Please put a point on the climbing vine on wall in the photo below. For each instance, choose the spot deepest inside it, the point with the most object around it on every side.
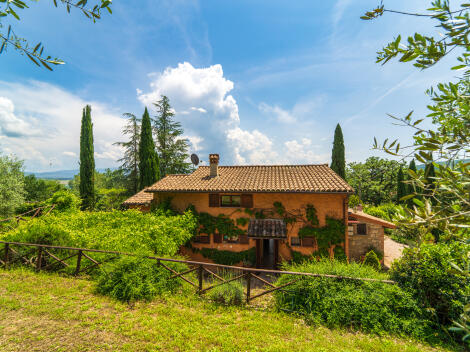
(221, 223)
(326, 236)
(332, 234)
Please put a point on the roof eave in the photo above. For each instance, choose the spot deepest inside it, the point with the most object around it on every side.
(244, 191)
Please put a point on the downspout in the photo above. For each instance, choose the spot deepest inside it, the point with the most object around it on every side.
(345, 219)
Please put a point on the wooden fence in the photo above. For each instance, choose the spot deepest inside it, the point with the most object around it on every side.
(40, 252)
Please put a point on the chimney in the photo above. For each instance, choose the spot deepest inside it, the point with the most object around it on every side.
(214, 165)
(359, 207)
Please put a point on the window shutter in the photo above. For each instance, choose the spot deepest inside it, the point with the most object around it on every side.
(214, 200)
(247, 201)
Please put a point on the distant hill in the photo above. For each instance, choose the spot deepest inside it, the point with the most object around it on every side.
(422, 166)
(59, 174)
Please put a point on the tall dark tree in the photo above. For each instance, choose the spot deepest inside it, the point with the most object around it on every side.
(148, 160)
(430, 175)
(338, 161)
(172, 149)
(87, 161)
(130, 160)
(401, 186)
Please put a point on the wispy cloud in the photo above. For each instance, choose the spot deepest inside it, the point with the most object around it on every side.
(57, 112)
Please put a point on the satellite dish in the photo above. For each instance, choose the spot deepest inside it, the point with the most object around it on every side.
(194, 159)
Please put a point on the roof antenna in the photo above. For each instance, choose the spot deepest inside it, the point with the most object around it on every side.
(195, 159)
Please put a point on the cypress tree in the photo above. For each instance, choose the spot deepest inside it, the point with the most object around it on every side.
(430, 174)
(411, 187)
(401, 187)
(338, 161)
(87, 161)
(148, 161)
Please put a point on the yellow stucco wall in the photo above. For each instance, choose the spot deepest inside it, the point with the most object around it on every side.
(332, 205)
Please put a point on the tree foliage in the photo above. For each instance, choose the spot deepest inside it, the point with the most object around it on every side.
(130, 160)
(374, 180)
(172, 148)
(338, 161)
(87, 161)
(35, 53)
(38, 189)
(401, 186)
(149, 171)
(11, 185)
(441, 206)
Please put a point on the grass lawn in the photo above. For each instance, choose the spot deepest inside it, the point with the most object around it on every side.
(46, 312)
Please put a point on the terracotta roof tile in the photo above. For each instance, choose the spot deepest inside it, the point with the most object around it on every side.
(359, 215)
(141, 198)
(275, 178)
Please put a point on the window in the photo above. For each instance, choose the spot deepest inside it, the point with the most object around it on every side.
(361, 229)
(230, 201)
(202, 239)
(295, 241)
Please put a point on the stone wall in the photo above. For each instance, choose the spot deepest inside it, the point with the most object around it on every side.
(360, 244)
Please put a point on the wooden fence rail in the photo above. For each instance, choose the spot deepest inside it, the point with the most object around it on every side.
(247, 274)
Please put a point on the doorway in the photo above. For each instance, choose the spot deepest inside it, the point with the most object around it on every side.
(267, 253)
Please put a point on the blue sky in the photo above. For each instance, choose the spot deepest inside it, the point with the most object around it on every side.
(260, 82)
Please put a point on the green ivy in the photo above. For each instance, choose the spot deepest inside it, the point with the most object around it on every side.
(229, 257)
(222, 224)
(340, 254)
(243, 221)
(326, 236)
(311, 214)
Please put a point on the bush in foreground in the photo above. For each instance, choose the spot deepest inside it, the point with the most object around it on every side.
(133, 278)
(428, 274)
(369, 306)
(230, 293)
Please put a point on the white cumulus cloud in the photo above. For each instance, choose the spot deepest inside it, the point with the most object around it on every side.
(209, 113)
(47, 118)
(12, 125)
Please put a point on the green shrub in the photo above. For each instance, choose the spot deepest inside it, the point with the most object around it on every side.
(124, 231)
(339, 254)
(386, 211)
(133, 278)
(64, 201)
(229, 257)
(299, 258)
(427, 273)
(230, 293)
(372, 260)
(109, 199)
(354, 201)
(369, 306)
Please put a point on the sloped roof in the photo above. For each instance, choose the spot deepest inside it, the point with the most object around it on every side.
(359, 215)
(273, 178)
(140, 198)
(267, 228)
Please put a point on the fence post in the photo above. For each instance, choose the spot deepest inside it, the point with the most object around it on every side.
(199, 274)
(7, 249)
(248, 287)
(79, 261)
(39, 261)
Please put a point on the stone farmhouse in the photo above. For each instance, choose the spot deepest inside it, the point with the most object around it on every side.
(278, 210)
